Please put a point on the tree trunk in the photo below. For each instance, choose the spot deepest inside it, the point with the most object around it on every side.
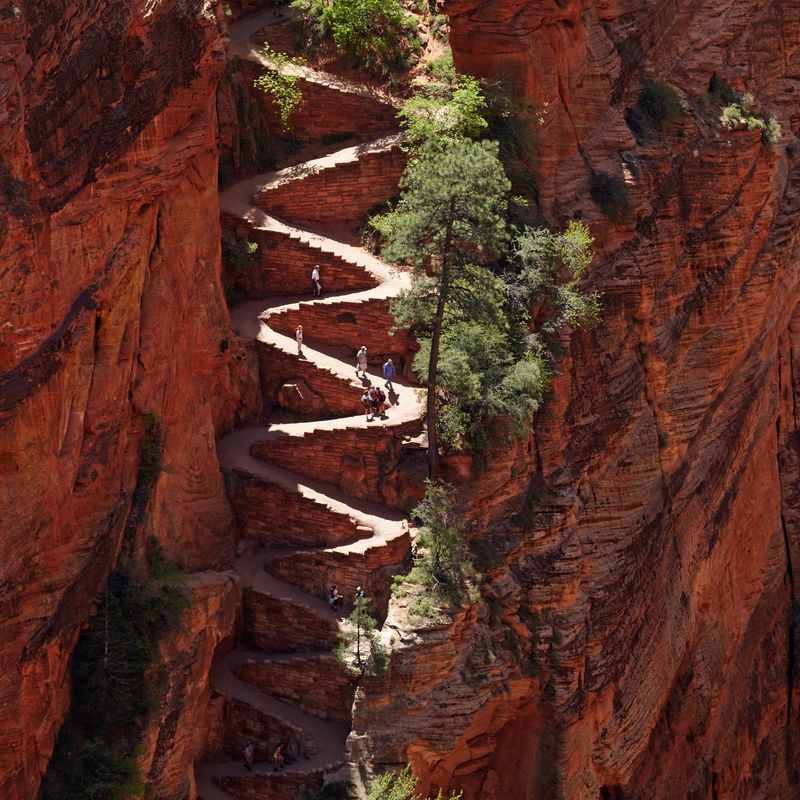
(433, 363)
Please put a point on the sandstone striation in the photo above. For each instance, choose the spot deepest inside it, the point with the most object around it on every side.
(111, 308)
(639, 586)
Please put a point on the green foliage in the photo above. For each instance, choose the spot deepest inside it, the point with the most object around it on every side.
(462, 189)
(440, 27)
(281, 84)
(238, 258)
(551, 266)
(375, 35)
(513, 125)
(611, 194)
(400, 786)
(739, 112)
(114, 682)
(440, 113)
(443, 561)
(360, 649)
(657, 107)
(340, 790)
(441, 68)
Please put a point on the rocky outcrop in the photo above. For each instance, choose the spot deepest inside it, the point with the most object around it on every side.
(112, 309)
(645, 563)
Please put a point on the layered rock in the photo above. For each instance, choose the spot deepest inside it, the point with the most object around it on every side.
(644, 563)
(112, 309)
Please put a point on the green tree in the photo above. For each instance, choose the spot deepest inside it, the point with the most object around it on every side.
(361, 639)
(280, 83)
(451, 215)
(444, 560)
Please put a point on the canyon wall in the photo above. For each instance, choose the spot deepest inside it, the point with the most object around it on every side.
(638, 633)
(112, 309)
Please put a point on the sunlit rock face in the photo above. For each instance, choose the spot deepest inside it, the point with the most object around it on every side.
(637, 639)
(110, 307)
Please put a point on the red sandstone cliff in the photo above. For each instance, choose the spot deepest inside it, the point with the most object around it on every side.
(111, 307)
(645, 558)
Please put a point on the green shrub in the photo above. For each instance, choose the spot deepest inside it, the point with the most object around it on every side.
(439, 27)
(375, 35)
(657, 106)
(280, 84)
(739, 112)
(400, 786)
(611, 194)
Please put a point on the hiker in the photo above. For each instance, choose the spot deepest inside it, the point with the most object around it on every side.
(366, 401)
(388, 373)
(359, 593)
(378, 399)
(298, 335)
(361, 361)
(334, 597)
(316, 286)
(248, 752)
(278, 759)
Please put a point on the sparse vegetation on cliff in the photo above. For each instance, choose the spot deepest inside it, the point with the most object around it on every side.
(739, 111)
(280, 84)
(115, 673)
(611, 194)
(443, 574)
(657, 107)
(375, 35)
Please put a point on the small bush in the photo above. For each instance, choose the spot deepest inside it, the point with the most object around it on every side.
(611, 194)
(359, 650)
(657, 106)
(400, 786)
(280, 84)
(739, 112)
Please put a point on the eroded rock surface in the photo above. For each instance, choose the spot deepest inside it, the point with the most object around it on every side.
(111, 308)
(644, 563)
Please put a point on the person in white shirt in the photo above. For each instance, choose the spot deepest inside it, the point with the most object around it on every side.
(316, 286)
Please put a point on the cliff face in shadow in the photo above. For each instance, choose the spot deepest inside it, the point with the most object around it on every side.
(112, 308)
(642, 542)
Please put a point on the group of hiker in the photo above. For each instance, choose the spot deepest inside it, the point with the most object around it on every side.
(334, 598)
(278, 757)
(374, 398)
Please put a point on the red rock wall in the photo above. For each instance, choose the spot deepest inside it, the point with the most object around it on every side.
(646, 571)
(111, 307)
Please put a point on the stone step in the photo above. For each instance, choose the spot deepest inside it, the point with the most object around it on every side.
(351, 321)
(283, 264)
(276, 516)
(356, 456)
(369, 564)
(344, 185)
(313, 682)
